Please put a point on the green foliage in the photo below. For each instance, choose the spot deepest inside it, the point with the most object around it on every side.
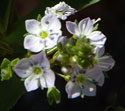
(5, 49)
(10, 92)
(76, 51)
(6, 72)
(53, 94)
(14, 62)
(96, 27)
(6, 68)
(111, 108)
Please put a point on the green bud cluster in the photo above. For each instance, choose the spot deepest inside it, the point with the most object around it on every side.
(77, 51)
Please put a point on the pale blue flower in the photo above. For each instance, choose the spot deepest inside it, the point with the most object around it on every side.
(105, 62)
(61, 10)
(86, 83)
(42, 35)
(36, 72)
(85, 29)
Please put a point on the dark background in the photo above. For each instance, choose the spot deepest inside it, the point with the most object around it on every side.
(113, 92)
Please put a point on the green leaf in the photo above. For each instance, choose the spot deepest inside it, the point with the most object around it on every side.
(5, 63)
(1, 27)
(7, 12)
(5, 48)
(111, 108)
(6, 72)
(39, 17)
(96, 27)
(10, 92)
(14, 62)
(53, 94)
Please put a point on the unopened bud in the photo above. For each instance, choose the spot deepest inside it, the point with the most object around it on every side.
(65, 70)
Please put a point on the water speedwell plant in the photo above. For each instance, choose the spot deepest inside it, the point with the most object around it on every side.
(80, 57)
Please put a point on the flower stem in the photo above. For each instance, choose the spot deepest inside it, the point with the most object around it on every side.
(51, 50)
(66, 77)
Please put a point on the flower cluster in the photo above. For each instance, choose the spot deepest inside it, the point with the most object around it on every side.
(81, 57)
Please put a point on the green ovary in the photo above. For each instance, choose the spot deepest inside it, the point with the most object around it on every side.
(80, 78)
(37, 70)
(44, 35)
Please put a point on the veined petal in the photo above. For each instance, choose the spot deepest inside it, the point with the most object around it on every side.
(49, 11)
(22, 68)
(31, 83)
(33, 26)
(51, 41)
(62, 40)
(72, 90)
(89, 89)
(47, 79)
(50, 22)
(72, 27)
(85, 26)
(41, 60)
(100, 51)
(96, 36)
(106, 63)
(96, 74)
(33, 43)
(99, 43)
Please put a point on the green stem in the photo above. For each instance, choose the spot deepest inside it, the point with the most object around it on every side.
(51, 50)
(66, 77)
(61, 75)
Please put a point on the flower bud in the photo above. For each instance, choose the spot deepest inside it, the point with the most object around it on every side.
(65, 70)
(75, 59)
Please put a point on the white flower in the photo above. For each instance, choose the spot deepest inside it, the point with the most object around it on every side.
(42, 35)
(105, 62)
(85, 29)
(61, 10)
(82, 82)
(36, 71)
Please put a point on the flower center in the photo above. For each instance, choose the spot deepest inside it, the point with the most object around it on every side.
(80, 78)
(44, 34)
(37, 70)
(58, 12)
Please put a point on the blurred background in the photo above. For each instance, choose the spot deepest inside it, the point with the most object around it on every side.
(112, 13)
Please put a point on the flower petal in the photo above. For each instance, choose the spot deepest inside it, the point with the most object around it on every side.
(33, 26)
(106, 63)
(72, 28)
(96, 36)
(99, 43)
(50, 22)
(22, 68)
(96, 74)
(51, 41)
(89, 89)
(85, 26)
(72, 90)
(62, 40)
(40, 59)
(47, 80)
(31, 83)
(100, 51)
(33, 43)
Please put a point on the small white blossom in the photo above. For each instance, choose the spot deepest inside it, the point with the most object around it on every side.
(61, 10)
(42, 35)
(85, 29)
(105, 62)
(36, 72)
(82, 82)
